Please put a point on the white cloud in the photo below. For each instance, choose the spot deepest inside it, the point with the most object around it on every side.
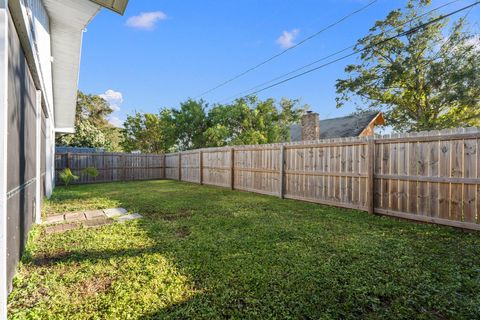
(287, 39)
(114, 99)
(146, 20)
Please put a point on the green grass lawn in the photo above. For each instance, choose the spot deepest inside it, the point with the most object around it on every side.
(212, 253)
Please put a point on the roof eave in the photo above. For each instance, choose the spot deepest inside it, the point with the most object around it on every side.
(378, 120)
(117, 6)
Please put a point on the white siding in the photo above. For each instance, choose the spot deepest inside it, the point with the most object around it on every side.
(38, 28)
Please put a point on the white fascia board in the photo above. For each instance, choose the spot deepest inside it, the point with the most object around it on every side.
(64, 130)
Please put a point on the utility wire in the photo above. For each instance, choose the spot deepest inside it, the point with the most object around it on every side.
(410, 31)
(286, 50)
(331, 55)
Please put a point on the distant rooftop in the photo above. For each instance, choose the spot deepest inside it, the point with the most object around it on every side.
(343, 127)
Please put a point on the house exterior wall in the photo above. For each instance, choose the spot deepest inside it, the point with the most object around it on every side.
(3, 155)
(21, 161)
(31, 31)
(37, 22)
(26, 134)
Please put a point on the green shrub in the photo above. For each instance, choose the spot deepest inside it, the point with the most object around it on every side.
(91, 172)
(67, 176)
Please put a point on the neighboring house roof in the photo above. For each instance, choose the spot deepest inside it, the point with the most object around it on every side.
(343, 127)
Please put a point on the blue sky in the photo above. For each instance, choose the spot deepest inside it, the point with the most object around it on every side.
(162, 52)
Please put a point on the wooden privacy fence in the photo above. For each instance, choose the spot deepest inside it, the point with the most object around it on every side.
(428, 176)
(111, 166)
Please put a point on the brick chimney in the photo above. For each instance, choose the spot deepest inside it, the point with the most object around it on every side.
(310, 126)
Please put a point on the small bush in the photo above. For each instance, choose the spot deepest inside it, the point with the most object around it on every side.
(67, 176)
(91, 172)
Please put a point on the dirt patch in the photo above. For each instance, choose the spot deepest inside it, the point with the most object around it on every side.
(48, 258)
(183, 232)
(184, 213)
(94, 285)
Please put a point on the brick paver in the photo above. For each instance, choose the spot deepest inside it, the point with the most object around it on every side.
(95, 214)
(60, 228)
(54, 219)
(97, 222)
(74, 216)
(89, 219)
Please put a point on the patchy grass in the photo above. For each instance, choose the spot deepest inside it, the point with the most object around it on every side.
(210, 253)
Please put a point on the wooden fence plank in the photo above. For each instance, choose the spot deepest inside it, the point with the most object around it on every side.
(456, 202)
(111, 166)
(470, 171)
(371, 177)
(282, 171)
(232, 168)
(429, 176)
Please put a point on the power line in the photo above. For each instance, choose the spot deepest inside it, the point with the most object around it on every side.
(286, 50)
(412, 30)
(332, 54)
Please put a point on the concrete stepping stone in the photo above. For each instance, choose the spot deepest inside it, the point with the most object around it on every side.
(129, 217)
(95, 214)
(75, 216)
(115, 212)
(54, 219)
(89, 219)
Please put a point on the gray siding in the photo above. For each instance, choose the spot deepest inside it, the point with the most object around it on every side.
(21, 151)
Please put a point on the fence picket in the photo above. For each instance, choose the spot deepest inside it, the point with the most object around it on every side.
(427, 176)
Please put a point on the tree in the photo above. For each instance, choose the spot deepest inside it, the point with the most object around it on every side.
(423, 80)
(150, 133)
(92, 108)
(252, 121)
(190, 121)
(246, 121)
(92, 128)
(86, 135)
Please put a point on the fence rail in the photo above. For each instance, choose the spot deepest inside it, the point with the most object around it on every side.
(428, 176)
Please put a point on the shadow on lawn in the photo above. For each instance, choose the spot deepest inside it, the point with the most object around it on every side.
(74, 257)
(260, 257)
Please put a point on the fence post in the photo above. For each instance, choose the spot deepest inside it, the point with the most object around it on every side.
(282, 171)
(232, 168)
(179, 166)
(200, 166)
(371, 176)
(164, 166)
